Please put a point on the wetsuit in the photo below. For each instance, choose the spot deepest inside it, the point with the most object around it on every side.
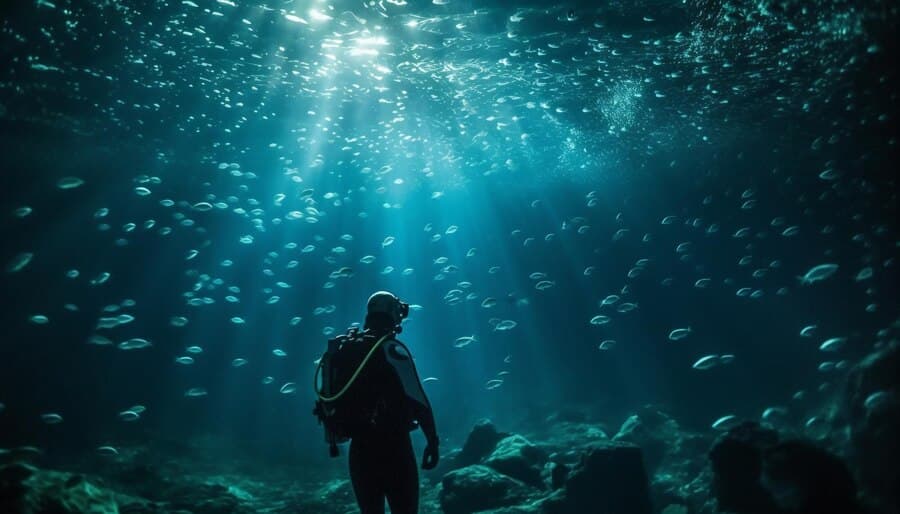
(382, 462)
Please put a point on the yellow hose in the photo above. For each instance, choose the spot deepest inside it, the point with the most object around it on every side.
(352, 378)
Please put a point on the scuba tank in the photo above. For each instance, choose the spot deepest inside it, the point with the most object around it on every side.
(338, 370)
(322, 410)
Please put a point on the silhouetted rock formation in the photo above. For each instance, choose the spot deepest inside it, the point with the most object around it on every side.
(872, 408)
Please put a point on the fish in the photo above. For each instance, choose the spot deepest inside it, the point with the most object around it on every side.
(69, 182)
(707, 362)
(726, 423)
(506, 324)
(544, 284)
(626, 307)
(195, 392)
(818, 273)
(19, 262)
(129, 415)
(774, 413)
(464, 341)
(493, 384)
(679, 333)
(600, 319)
(51, 418)
(832, 345)
(808, 331)
(877, 400)
(107, 451)
(99, 340)
(135, 343)
(864, 274)
(829, 174)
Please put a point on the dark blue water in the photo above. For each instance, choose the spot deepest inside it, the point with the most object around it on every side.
(554, 138)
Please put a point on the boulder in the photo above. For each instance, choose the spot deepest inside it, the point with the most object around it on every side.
(207, 499)
(737, 462)
(656, 433)
(568, 440)
(805, 479)
(610, 479)
(28, 490)
(559, 473)
(478, 488)
(755, 473)
(872, 409)
(516, 457)
(479, 444)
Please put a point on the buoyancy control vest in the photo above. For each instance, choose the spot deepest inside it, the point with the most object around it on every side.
(356, 390)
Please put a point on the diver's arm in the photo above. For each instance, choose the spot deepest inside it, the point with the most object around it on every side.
(400, 358)
(426, 421)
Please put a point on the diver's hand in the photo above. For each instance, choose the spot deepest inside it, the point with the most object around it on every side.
(430, 457)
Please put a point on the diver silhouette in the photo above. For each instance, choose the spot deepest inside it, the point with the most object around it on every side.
(371, 395)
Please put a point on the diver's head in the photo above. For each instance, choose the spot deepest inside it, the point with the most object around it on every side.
(384, 311)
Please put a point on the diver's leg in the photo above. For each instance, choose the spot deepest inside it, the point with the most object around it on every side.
(366, 477)
(402, 488)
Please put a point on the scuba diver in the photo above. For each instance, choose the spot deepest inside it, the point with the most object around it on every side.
(371, 395)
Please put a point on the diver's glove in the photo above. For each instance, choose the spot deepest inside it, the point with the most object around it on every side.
(430, 456)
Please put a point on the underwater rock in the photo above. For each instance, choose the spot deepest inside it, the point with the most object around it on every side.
(517, 457)
(28, 490)
(656, 433)
(872, 405)
(143, 480)
(207, 499)
(570, 439)
(559, 473)
(804, 478)
(610, 478)
(737, 463)
(479, 444)
(478, 488)
(684, 477)
(12, 488)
